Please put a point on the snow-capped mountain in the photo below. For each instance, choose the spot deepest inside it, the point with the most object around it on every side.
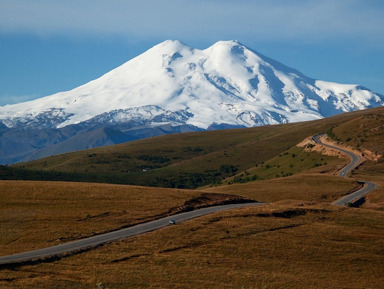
(174, 83)
(173, 88)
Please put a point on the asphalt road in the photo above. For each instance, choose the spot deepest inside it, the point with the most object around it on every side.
(345, 172)
(356, 195)
(92, 242)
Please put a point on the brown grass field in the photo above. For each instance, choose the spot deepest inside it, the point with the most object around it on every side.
(317, 188)
(67, 211)
(298, 240)
(283, 245)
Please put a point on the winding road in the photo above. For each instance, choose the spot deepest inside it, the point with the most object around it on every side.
(344, 172)
(95, 241)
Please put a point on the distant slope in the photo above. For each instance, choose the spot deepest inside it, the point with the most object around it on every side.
(195, 159)
(94, 138)
(18, 145)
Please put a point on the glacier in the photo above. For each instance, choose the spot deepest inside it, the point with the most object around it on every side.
(225, 85)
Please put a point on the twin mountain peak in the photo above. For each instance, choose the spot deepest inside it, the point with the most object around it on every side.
(175, 85)
(226, 83)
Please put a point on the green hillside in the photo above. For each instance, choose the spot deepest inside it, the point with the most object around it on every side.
(192, 160)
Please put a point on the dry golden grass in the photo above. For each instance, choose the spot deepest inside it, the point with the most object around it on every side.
(365, 132)
(67, 211)
(308, 187)
(279, 246)
(289, 244)
(39, 214)
(375, 199)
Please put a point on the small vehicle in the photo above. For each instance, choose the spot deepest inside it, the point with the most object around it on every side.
(172, 222)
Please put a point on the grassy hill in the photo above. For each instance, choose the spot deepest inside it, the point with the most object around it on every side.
(192, 160)
(298, 240)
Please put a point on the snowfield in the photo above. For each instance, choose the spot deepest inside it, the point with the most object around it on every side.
(173, 83)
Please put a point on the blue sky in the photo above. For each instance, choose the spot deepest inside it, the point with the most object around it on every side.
(47, 46)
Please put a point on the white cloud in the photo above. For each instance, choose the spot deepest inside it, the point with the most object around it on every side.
(299, 20)
(11, 99)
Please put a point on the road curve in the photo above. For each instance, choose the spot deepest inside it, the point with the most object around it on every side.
(356, 195)
(344, 172)
(92, 242)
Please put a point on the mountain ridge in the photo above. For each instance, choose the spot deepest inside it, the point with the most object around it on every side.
(225, 85)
